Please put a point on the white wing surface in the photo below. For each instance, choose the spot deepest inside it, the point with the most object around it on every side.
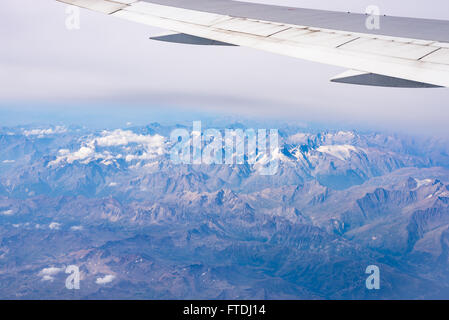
(404, 52)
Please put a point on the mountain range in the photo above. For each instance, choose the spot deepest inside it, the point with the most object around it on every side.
(139, 226)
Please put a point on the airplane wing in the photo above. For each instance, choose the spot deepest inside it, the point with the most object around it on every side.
(404, 52)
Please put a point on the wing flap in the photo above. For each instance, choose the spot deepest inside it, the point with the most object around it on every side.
(439, 56)
(254, 27)
(316, 37)
(389, 48)
(177, 14)
(102, 6)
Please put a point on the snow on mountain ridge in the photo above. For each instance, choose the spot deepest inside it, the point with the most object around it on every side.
(342, 152)
(423, 182)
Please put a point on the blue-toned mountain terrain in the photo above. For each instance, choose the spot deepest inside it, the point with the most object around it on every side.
(139, 226)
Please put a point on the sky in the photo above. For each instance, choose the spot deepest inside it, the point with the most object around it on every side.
(109, 68)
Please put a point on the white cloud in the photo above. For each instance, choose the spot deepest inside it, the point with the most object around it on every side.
(124, 137)
(76, 228)
(7, 212)
(48, 274)
(54, 226)
(43, 132)
(9, 161)
(51, 271)
(106, 279)
(149, 147)
(48, 278)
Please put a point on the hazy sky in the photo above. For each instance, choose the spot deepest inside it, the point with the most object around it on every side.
(110, 60)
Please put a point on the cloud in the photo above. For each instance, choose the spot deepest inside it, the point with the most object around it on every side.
(124, 137)
(76, 228)
(9, 161)
(47, 278)
(44, 132)
(148, 147)
(48, 274)
(106, 279)
(7, 212)
(55, 226)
